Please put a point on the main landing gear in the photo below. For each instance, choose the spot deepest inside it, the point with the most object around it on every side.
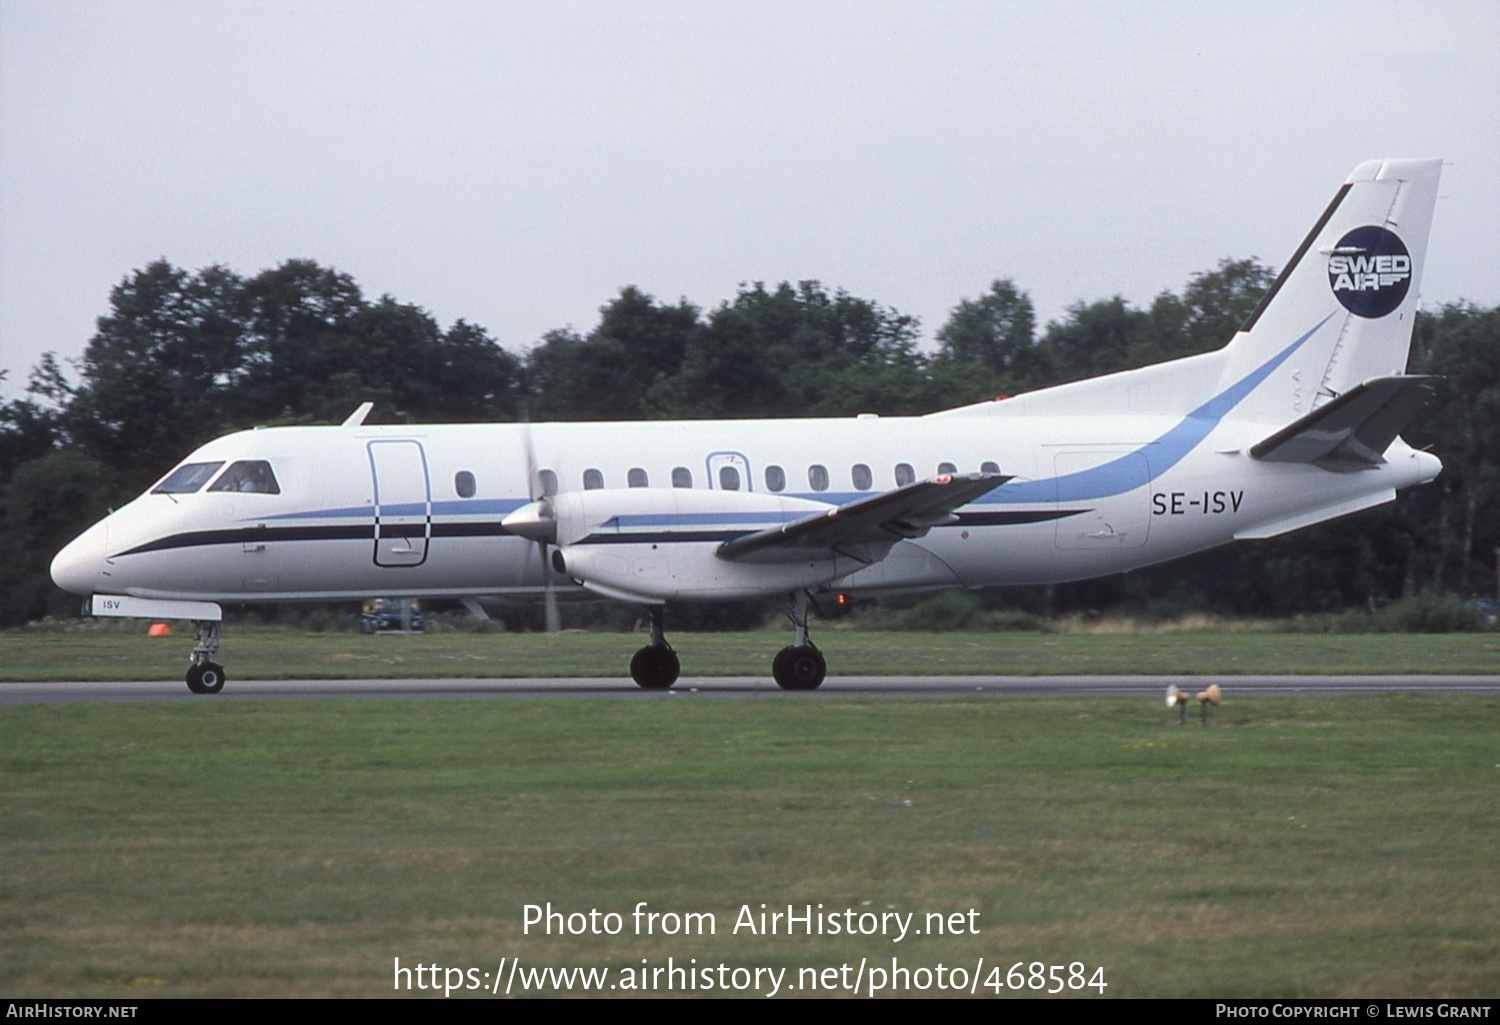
(205, 676)
(655, 667)
(801, 666)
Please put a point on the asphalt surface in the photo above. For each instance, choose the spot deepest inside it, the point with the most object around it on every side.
(742, 686)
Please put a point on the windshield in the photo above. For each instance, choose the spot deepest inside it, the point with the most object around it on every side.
(248, 475)
(186, 479)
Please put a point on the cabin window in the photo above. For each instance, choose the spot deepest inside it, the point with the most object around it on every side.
(989, 466)
(904, 474)
(775, 478)
(187, 478)
(817, 477)
(682, 477)
(548, 480)
(463, 483)
(729, 478)
(593, 480)
(863, 478)
(249, 476)
(636, 478)
(947, 468)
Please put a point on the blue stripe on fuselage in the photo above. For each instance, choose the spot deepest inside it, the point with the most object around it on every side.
(1122, 474)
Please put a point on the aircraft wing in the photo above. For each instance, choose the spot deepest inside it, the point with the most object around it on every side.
(1353, 431)
(883, 519)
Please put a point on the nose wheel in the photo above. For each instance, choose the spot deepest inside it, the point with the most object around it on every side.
(205, 676)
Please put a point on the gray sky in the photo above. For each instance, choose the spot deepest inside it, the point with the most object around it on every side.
(515, 164)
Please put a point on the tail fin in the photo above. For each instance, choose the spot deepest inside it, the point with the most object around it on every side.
(1341, 311)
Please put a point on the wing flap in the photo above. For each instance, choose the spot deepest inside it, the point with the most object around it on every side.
(1353, 431)
(907, 512)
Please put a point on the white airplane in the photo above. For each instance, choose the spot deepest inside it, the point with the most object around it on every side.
(1292, 423)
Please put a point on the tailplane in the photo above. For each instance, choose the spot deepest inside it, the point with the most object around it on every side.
(1353, 431)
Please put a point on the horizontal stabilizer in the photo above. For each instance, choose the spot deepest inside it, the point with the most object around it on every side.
(907, 512)
(1353, 431)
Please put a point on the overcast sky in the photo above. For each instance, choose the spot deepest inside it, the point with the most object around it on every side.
(515, 164)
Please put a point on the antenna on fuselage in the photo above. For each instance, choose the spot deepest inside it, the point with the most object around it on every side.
(357, 418)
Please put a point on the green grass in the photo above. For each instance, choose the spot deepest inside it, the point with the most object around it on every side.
(109, 653)
(1294, 847)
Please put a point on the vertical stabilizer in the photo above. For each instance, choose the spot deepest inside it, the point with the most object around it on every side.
(1341, 311)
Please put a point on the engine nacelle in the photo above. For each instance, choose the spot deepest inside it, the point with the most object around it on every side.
(657, 544)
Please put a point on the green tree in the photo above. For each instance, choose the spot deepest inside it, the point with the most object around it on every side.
(302, 356)
(158, 372)
(1210, 310)
(46, 503)
(623, 370)
(1461, 344)
(801, 351)
(30, 429)
(1096, 338)
(474, 379)
(400, 359)
(988, 345)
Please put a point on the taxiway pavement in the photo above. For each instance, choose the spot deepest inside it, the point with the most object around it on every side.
(741, 686)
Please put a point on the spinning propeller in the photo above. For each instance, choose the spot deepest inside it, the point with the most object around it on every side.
(537, 522)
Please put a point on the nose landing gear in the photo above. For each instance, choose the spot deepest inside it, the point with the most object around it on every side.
(205, 676)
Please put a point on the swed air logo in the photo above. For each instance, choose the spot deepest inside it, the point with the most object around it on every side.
(1370, 271)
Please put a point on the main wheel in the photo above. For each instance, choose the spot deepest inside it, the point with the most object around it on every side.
(205, 678)
(799, 668)
(655, 667)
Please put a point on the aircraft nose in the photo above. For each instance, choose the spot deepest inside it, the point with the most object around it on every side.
(77, 566)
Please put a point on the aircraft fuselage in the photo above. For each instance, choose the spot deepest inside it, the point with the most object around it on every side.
(341, 487)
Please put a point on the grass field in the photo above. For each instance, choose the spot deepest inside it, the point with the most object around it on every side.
(1294, 847)
(105, 652)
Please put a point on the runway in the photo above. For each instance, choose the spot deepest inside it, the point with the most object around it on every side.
(743, 687)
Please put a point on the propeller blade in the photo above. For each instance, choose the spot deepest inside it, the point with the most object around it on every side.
(528, 447)
(537, 522)
(553, 616)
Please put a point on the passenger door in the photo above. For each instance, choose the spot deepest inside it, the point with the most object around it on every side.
(403, 502)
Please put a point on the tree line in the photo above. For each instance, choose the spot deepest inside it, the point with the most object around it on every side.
(182, 357)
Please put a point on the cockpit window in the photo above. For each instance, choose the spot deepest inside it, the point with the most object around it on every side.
(252, 476)
(187, 478)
